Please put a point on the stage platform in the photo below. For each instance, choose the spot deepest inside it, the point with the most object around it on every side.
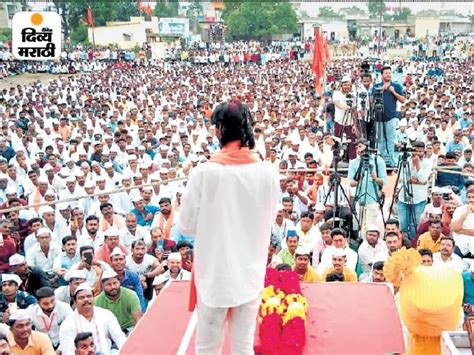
(343, 318)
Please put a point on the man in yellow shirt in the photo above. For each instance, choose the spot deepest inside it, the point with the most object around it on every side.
(25, 341)
(431, 240)
(338, 262)
(306, 272)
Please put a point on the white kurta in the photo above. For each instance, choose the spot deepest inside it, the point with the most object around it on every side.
(230, 210)
(104, 328)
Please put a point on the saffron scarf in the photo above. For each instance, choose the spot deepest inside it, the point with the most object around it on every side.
(231, 154)
(166, 227)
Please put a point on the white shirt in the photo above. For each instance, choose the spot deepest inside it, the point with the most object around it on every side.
(232, 229)
(326, 259)
(367, 253)
(103, 326)
(338, 113)
(49, 324)
(145, 266)
(36, 258)
(85, 239)
(464, 242)
(127, 238)
(91, 274)
(454, 262)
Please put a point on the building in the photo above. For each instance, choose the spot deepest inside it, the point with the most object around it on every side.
(426, 26)
(7, 10)
(126, 34)
(335, 29)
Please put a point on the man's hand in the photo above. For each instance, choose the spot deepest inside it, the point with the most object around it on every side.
(392, 89)
(149, 216)
(6, 316)
(373, 175)
(471, 208)
(467, 307)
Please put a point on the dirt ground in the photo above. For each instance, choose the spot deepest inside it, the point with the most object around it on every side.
(26, 79)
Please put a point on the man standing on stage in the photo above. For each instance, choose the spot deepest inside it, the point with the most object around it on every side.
(391, 93)
(343, 102)
(229, 206)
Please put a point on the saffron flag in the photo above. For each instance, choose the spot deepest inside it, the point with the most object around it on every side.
(139, 5)
(90, 18)
(327, 53)
(318, 61)
(147, 9)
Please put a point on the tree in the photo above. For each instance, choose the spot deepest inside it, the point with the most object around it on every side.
(401, 15)
(127, 9)
(166, 9)
(327, 12)
(80, 35)
(260, 19)
(62, 9)
(376, 7)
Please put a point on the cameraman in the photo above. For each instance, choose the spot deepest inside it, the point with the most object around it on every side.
(368, 196)
(391, 94)
(363, 106)
(410, 207)
(343, 116)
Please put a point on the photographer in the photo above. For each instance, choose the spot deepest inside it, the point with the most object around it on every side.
(411, 204)
(363, 106)
(368, 196)
(343, 116)
(391, 94)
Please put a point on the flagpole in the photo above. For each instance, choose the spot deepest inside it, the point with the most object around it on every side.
(90, 20)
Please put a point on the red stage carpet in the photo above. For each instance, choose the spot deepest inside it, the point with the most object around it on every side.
(343, 318)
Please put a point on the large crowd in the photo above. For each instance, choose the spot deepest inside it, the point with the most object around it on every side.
(83, 254)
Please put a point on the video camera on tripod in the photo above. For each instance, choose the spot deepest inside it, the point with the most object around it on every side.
(349, 99)
(363, 99)
(378, 100)
(405, 150)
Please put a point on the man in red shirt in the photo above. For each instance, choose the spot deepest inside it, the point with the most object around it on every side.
(7, 246)
(111, 241)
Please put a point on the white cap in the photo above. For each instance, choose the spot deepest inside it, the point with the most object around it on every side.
(16, 259)
(108, 165)
(174, 257)
(302, 251)
(108, 274)
(43, 231)
(111, 232)
(11, 278)
(319, 207)
(76, 274)
(436, 190)
(403, 122)
(89, 184)
(339, 252)
(164, 171)
(71, 178)
(132, 157)
(135, 196)
(373, 228)
(117, 251)
(43, 179)
(164, 148)
(45, 209)
(158, 280)
(62, 206)
(20, 314)
(345, 78)
(10, 190)
(83, 287)
(50, 192)
(471, 268)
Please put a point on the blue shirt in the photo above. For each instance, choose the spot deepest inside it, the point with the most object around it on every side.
(131, 280)
(373, 190)
(468, 287)
(389, 101)
(452, 147)
(23, 300)
(141, 217)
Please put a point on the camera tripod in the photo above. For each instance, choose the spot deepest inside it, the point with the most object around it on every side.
(335, 185)
(362, 190)
(404, 172)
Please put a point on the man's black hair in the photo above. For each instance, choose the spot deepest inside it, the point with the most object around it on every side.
(335, 276)
(44, 292)
(235, 122)
(81, 336)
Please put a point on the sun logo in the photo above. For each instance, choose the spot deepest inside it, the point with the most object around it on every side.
(36, 19)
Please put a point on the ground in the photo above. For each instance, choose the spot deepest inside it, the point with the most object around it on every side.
(26, 79)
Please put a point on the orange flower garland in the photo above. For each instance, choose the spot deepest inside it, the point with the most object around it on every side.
(282, 315)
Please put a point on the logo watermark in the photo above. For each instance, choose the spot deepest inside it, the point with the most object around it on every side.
(36, 35)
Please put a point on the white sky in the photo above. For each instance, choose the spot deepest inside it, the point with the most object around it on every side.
(466, 8)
